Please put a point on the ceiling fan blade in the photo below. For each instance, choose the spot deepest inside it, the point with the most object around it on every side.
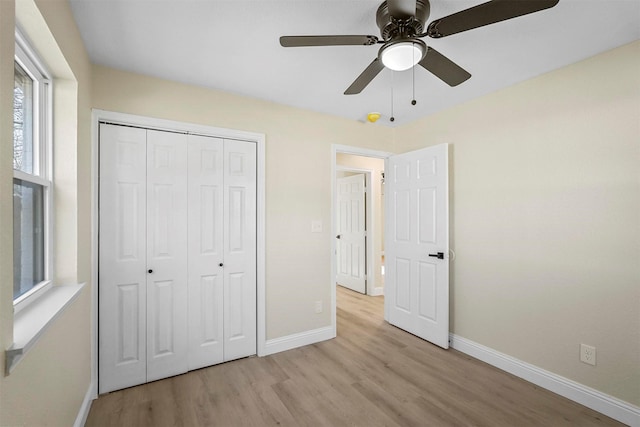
(297, 41)
(365, 78)
(401, 9)
(444, 68)
(485, 14)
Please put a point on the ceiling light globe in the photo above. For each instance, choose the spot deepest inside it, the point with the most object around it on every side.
(401, 56)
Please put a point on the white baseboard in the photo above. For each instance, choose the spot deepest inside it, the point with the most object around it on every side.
(83, 413)
(594, 399)
(377, 291)
(298, 340)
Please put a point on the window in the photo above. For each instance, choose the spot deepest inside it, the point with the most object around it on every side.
(32, 185)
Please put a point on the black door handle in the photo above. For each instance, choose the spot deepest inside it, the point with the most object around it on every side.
(439, 255)
(221, 265)
(150, 271)
(338, 236)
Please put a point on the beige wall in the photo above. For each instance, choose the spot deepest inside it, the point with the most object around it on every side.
(545, 208)
(377, 166)
(298, 180)
(49, 384)
(545, 203)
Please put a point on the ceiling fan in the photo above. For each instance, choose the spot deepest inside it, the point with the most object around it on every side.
(402, 23)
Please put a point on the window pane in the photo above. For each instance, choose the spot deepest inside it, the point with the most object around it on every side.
(28, 236)
(22, 121)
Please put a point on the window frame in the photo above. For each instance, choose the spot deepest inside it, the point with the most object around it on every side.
(42, 175)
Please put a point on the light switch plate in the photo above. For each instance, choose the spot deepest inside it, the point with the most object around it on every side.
(316, 226)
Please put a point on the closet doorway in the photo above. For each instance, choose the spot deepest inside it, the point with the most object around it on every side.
(178, 253)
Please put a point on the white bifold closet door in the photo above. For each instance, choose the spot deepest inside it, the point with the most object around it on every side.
(122, 269)
(177, 254)
(206, 251)
(166, 254)
(222, 250)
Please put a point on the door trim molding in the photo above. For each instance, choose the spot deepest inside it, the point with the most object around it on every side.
(97, 116)
(344, 149)
(580, 393)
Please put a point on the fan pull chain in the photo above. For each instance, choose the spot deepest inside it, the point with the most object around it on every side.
(392, 118)
(413, 101)
(413, 77)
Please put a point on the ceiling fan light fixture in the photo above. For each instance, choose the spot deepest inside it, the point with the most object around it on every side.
(402, 55)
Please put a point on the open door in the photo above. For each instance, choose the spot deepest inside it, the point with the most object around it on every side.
(351, 243)
(417, 243)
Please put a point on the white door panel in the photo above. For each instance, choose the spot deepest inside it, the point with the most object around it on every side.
(351, 243)
(417, 281)
(240, 249)
(122, 265)
(205, 255)
(166, 254)
(177, 268)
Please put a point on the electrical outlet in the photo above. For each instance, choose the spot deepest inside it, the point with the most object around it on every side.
(588, 354)
(318, 306)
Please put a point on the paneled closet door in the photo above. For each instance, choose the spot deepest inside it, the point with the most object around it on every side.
(206, 258)
(177, 279)
(122, 264)
(167, 287)
(240, 249)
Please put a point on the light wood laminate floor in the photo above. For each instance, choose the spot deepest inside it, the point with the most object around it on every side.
(372, 374)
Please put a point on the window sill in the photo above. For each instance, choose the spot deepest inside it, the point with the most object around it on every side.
(31, 322)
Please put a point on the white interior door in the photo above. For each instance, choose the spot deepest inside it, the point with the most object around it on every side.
(167, 291)
(206, 305)
(123, 253)
(417, 243)
(177, 272)
(351, 243)
(240, 249)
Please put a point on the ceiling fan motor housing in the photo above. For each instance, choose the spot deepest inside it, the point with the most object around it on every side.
(391, 28)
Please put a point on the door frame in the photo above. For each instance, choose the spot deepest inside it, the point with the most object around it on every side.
(98, 116)
(370, 282)
(356, 151)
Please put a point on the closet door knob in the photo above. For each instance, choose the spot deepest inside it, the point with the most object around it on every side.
(150, 271)
(221, 265)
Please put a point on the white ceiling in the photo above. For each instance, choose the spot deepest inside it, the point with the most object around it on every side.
(233, 46)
